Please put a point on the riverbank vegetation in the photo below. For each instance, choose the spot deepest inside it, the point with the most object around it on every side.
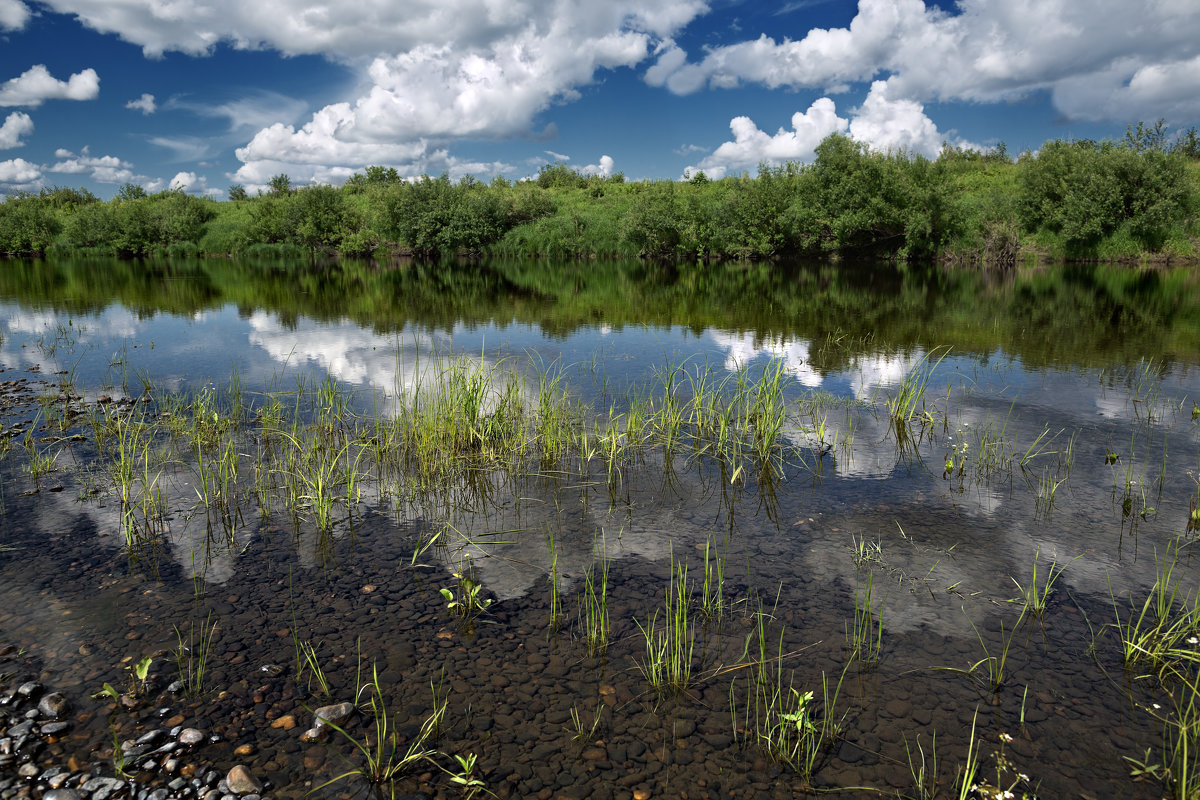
(1133, 199)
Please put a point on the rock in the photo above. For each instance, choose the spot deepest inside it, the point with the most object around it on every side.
(29, 770)
(242, 782)
(61, 794)
(151, 738)
(101, 788)
(286, 722)
(190, 736)
(31, 689)
(337, 714)
(55, 728)
(244, 750)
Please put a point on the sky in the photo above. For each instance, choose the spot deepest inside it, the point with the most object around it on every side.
(202, 94)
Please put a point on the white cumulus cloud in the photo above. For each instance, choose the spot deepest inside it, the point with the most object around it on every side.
(16, 125)
(17, 173)
(145, 104)
(1100, 59)
(13, 15)
(36, 85)
(489, 83)
(885, 125)
(751, 146)
(102, 169)
(604, 169)
(355, 30)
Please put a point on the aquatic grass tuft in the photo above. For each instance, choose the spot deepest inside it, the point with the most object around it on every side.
(192, 654)
(910, 397)
(794, 728)
(594, 608)
(1036, 593)
(670, 646)
(384, 758)
(864, 639)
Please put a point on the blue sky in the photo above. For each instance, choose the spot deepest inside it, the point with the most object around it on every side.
(201, 94)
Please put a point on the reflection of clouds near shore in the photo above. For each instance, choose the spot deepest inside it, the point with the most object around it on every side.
(348, 352)
(743, 348)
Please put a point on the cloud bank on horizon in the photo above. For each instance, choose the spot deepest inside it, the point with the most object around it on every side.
(468, 86)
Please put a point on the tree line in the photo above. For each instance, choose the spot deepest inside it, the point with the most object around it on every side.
(1078, 198)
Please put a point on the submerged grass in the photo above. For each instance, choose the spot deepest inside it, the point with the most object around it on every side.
(192, 654)
(795, 728)
(670, 645)
(385, 758)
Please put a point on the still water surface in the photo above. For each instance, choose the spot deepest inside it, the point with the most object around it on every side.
(1063, 398)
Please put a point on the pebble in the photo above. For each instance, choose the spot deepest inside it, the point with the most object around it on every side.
(240, 781)
(286, 722)
(62, 794)
(336, 713)
(244, 750)
(55, 705)
(190, 736)
(31, 689)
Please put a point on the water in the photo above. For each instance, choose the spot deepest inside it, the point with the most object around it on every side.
(1063, 398)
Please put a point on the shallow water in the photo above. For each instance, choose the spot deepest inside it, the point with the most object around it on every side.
(1065, 397)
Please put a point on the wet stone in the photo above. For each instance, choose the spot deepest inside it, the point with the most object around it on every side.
(101, 788)
(336, 713)
(31, 689)
(190, 736)
(29, 770)
(54, 728)
(152, 737)
(62, 794)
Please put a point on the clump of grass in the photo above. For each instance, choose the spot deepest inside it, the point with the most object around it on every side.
(712, 592)
(583, 731)
(384, 758)
(1164, 631)
(865, 639)
(309, 662)
(910, 397)
(192, 654)
(1036, 593)
(795, 728)
(989, 673)
(594, 608)
(671, 644)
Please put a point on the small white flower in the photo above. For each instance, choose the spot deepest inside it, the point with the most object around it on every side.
(1193, 640)
(1023, 776)
(1156, 706)
(1004, 737)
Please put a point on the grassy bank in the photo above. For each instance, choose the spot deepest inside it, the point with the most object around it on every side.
(1110, 201)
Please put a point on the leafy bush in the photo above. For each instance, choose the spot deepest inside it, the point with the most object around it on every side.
(1084, 191)
(140, 225)
(28, 224)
